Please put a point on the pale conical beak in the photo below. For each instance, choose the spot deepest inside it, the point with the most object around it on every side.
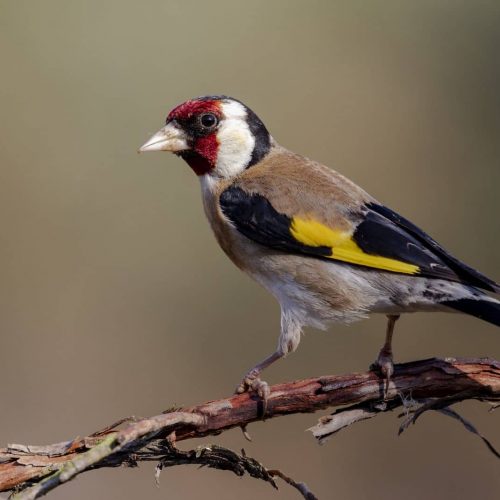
(169, 138)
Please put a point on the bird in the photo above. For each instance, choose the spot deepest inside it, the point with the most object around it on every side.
(327, 250)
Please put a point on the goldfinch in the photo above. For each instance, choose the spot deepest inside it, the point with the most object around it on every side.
(326, 249)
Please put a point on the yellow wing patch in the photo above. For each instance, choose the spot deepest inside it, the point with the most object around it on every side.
(344, 248)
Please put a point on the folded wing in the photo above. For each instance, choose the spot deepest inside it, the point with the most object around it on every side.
(378, 238)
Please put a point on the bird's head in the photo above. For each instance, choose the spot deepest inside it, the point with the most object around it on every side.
(216, 135)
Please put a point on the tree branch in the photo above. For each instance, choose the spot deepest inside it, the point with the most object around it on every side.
(31, 471)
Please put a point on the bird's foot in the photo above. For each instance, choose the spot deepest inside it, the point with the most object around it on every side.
(252, 383)
(385, 366)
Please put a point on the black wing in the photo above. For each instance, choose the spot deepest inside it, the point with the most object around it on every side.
(466, 274)
(379, 233)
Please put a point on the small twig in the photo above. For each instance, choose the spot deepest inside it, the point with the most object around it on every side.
(215, 457)
(452, 413)
(245, 432)
(301, 487)
(329, 425)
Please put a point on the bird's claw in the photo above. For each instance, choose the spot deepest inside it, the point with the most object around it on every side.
(385, 366)
(253, 383)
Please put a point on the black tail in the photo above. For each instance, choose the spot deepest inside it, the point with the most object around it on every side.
(483, 309)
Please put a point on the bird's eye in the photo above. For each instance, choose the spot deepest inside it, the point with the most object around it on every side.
(208, 120)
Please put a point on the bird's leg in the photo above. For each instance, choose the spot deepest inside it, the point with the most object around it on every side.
(288, 341)
(252, 382)
(384, 360)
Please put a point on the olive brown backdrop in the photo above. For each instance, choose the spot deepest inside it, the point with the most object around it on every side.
(114, 296)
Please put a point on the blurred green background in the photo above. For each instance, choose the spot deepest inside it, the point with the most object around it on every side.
(116, 300)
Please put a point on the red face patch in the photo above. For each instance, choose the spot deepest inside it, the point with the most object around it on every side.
(207, 148)
(204, 146)
(188, 109)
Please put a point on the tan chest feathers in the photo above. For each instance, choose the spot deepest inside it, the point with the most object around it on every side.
(227, 237)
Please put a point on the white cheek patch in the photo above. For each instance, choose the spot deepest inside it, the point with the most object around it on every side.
(236, 142)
